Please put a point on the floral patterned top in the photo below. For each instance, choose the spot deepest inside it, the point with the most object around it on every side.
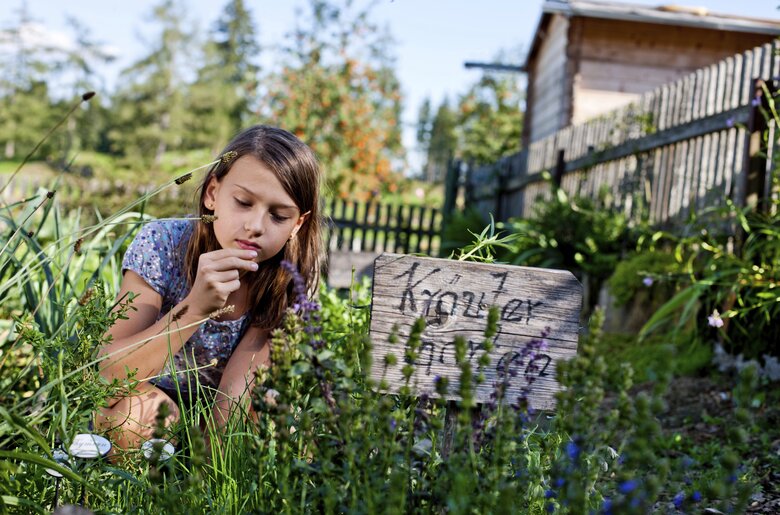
(157, 255)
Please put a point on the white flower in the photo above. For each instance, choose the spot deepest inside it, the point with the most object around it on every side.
(714, 319)
(270, 397)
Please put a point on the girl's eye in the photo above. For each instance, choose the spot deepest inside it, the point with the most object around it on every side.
(280, 218)
(242, 203)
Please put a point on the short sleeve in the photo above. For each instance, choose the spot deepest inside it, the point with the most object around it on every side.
(151, 255)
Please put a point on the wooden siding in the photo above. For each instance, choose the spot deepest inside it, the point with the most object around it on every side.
(549, 82)
(620, 61)
(601, 65)
(684, 147)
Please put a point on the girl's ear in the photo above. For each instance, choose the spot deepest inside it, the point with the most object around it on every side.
(210, 197)
(299, 224)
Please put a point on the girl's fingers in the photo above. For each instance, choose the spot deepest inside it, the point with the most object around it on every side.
(222, 276)
(227, 262)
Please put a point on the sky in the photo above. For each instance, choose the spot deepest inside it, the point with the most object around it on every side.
(433, 37)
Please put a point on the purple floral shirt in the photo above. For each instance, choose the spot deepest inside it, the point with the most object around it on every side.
(157, 255)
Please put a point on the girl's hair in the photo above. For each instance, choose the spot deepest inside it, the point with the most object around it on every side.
(296, 167)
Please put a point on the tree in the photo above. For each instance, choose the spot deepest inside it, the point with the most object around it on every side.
(490, 119)
(439, 139)
(25, 113)
(223, 95)
(485, 126)
(149, 104)
(338, 91)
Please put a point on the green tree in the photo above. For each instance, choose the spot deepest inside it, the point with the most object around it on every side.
(25, 105)
(490, 119)
(338, 91)
(438, 138)
(223, 95)
(150, 111)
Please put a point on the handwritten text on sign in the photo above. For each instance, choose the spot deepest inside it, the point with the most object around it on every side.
(454, 297)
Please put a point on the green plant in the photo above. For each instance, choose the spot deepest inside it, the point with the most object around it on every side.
(643, 277)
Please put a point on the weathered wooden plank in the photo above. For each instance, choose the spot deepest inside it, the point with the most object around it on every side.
(453, 298)
(747, 78)
(690, 130)
(720, 91)
(712, 90)
(365, 228)
(729, 161)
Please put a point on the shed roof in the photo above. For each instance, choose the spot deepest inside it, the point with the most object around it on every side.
(677, 15)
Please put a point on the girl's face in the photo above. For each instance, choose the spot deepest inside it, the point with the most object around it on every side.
(253, 210)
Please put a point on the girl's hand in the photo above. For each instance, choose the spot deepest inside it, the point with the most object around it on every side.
(217, 277)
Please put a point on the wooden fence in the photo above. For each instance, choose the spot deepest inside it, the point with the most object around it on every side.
(686, 146)
(359, 231)
(375, 227)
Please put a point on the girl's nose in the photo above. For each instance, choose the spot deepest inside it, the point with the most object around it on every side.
(254, 225)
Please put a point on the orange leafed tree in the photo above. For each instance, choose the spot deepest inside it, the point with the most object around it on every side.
(339, 93)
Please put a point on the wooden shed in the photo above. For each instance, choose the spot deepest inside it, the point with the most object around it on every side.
(590, 57)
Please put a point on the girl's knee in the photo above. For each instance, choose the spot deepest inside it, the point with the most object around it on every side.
(133, 419)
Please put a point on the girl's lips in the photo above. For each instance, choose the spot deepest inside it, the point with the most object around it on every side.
(247, 245)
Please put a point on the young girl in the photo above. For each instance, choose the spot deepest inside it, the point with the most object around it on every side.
(208, 292)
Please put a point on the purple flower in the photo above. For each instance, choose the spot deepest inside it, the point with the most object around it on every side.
(730, 122)
(714, 320)
(755, 102)
(647, 281)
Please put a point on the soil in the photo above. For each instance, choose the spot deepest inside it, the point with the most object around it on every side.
(701, 409)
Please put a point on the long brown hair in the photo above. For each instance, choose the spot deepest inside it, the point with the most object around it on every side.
(296, 167)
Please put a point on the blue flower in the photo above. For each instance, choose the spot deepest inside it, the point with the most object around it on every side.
(696, 496)
(678, 500)
(730, 122)
(549, 494)
(626, 487)
(550, 507)
(572, 450)
(755, 102)
(606, 506)
(559, 482)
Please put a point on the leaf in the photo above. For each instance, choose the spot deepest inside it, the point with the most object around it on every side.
(300, 368)
(324, 355)
(684, 299)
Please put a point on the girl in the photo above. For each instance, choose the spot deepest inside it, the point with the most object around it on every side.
(208, 292)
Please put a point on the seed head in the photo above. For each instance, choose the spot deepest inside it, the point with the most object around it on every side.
(208, 219)
(228, 157)
(184, 178)
(180, 313)
(87, 296)
(86, 96)
(77, 246)
(50, 194)
(227, 309)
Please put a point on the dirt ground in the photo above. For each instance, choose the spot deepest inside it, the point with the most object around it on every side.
(701, 410)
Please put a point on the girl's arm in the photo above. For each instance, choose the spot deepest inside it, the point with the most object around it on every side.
(239, 376)
(142, 343)
(125, 353)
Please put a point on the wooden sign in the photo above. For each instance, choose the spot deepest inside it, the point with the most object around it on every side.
(538, 324)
